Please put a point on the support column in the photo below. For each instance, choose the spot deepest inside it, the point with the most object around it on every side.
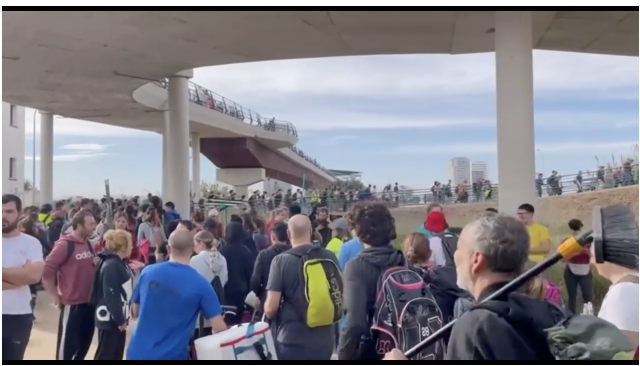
(195, 166)
(241, 191)
(46, 158)
(165, 158)
(178, 140)
(515, 124)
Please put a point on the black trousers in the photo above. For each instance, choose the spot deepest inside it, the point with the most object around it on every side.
(75, 331)
(572, 281)
(16, 331)
(111, 343)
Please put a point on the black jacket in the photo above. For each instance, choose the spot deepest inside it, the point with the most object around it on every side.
(442, 283)
(361, 276)
(239, 264)
(112, 291)
(510, 328)
(261, 269)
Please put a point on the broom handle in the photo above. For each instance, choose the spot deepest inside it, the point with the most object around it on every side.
(566, 251)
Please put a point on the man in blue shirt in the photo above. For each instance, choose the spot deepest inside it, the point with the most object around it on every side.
(348, 251)
(166, 302)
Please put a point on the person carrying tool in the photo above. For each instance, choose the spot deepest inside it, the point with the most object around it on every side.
(492, 251)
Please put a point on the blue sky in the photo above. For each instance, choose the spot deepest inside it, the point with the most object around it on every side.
(395, 118)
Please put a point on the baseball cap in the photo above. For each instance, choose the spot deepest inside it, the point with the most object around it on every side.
(340, 224)
(213, 213)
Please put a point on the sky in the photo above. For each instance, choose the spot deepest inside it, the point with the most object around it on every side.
(394, 118)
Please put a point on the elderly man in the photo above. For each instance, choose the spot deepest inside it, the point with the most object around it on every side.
(492, 251)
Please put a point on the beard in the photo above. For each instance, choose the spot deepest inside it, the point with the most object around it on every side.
(463, 281)
(8, 227)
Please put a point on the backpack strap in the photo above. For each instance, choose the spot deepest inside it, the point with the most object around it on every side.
(71, 248)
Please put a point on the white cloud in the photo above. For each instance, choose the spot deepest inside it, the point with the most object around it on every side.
(76, 127)
(340, 138)
(74, 157)
(419, 75)
(583, 147)
(85, 147)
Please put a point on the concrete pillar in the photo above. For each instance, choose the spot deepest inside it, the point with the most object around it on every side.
(241, 191)
(165, 158)
(515, 124)
(178, 143)
(241, 178)
(46, 158)
(195, 166)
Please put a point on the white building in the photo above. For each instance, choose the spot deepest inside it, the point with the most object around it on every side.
(479, 170)
(460, 171)
(13, 149)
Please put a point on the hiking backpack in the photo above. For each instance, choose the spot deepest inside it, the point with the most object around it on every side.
(449, 246)
(323, 286)
(406, 313)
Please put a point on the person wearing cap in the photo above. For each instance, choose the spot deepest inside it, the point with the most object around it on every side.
(340, 233)
(215, 216)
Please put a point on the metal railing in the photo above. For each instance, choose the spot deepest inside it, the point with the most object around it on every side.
(218, 103)
(591, 181)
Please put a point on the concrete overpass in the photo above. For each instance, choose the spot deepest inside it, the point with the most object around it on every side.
(246, 147)
(87, 65)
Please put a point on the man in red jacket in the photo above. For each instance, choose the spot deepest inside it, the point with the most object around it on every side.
(68, 277)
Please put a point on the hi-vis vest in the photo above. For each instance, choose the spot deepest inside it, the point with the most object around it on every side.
(315, 197)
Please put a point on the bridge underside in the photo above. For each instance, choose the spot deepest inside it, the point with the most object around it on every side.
(230, 153)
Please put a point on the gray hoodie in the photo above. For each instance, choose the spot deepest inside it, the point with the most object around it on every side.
(210, 265)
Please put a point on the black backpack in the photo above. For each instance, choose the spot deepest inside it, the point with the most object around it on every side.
(55, 229)
(449, 246)
(71, 248)
(405, 314)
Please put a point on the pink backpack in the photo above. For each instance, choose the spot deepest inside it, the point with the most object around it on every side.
(552, 293)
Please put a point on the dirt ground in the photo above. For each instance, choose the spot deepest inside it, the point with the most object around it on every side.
(42, 345)
(549, 211)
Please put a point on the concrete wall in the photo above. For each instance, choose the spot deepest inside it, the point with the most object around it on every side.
(13, 120)
(552, 211)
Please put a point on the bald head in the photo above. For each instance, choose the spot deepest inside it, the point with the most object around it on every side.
(299, 230)
(181, 243)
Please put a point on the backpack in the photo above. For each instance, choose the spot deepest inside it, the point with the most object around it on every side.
(405, 313)
(71, 248)
(262, 241)
(552, 293)
(55, 230)
(323, 286)
(449, 246)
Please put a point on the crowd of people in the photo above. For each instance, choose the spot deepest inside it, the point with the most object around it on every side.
(107, 263)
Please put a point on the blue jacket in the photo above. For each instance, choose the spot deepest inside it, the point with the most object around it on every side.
(348, 251)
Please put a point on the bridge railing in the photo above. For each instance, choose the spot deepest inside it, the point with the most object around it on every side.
(216, 102)
(488, 193)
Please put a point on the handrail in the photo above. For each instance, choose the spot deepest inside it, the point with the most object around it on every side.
(411, 197)
(216, 102)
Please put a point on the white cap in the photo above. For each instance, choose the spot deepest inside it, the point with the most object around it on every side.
(213, 213)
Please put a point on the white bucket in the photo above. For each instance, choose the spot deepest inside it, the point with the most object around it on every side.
(249, 341)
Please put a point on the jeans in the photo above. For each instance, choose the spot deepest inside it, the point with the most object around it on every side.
(572, 281)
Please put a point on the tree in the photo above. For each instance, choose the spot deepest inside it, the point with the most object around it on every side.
(208, 188)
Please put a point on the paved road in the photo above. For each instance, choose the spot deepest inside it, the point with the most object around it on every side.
(42, 345)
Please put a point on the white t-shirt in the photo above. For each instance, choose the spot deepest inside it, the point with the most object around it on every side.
(16, 252)
(437, 253)
(620, 306)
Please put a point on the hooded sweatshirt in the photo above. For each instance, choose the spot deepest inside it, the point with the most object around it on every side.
(73, 276)
(210, 265)
(112, 291)
(509, 328)
(360, 279)
(239, 263)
